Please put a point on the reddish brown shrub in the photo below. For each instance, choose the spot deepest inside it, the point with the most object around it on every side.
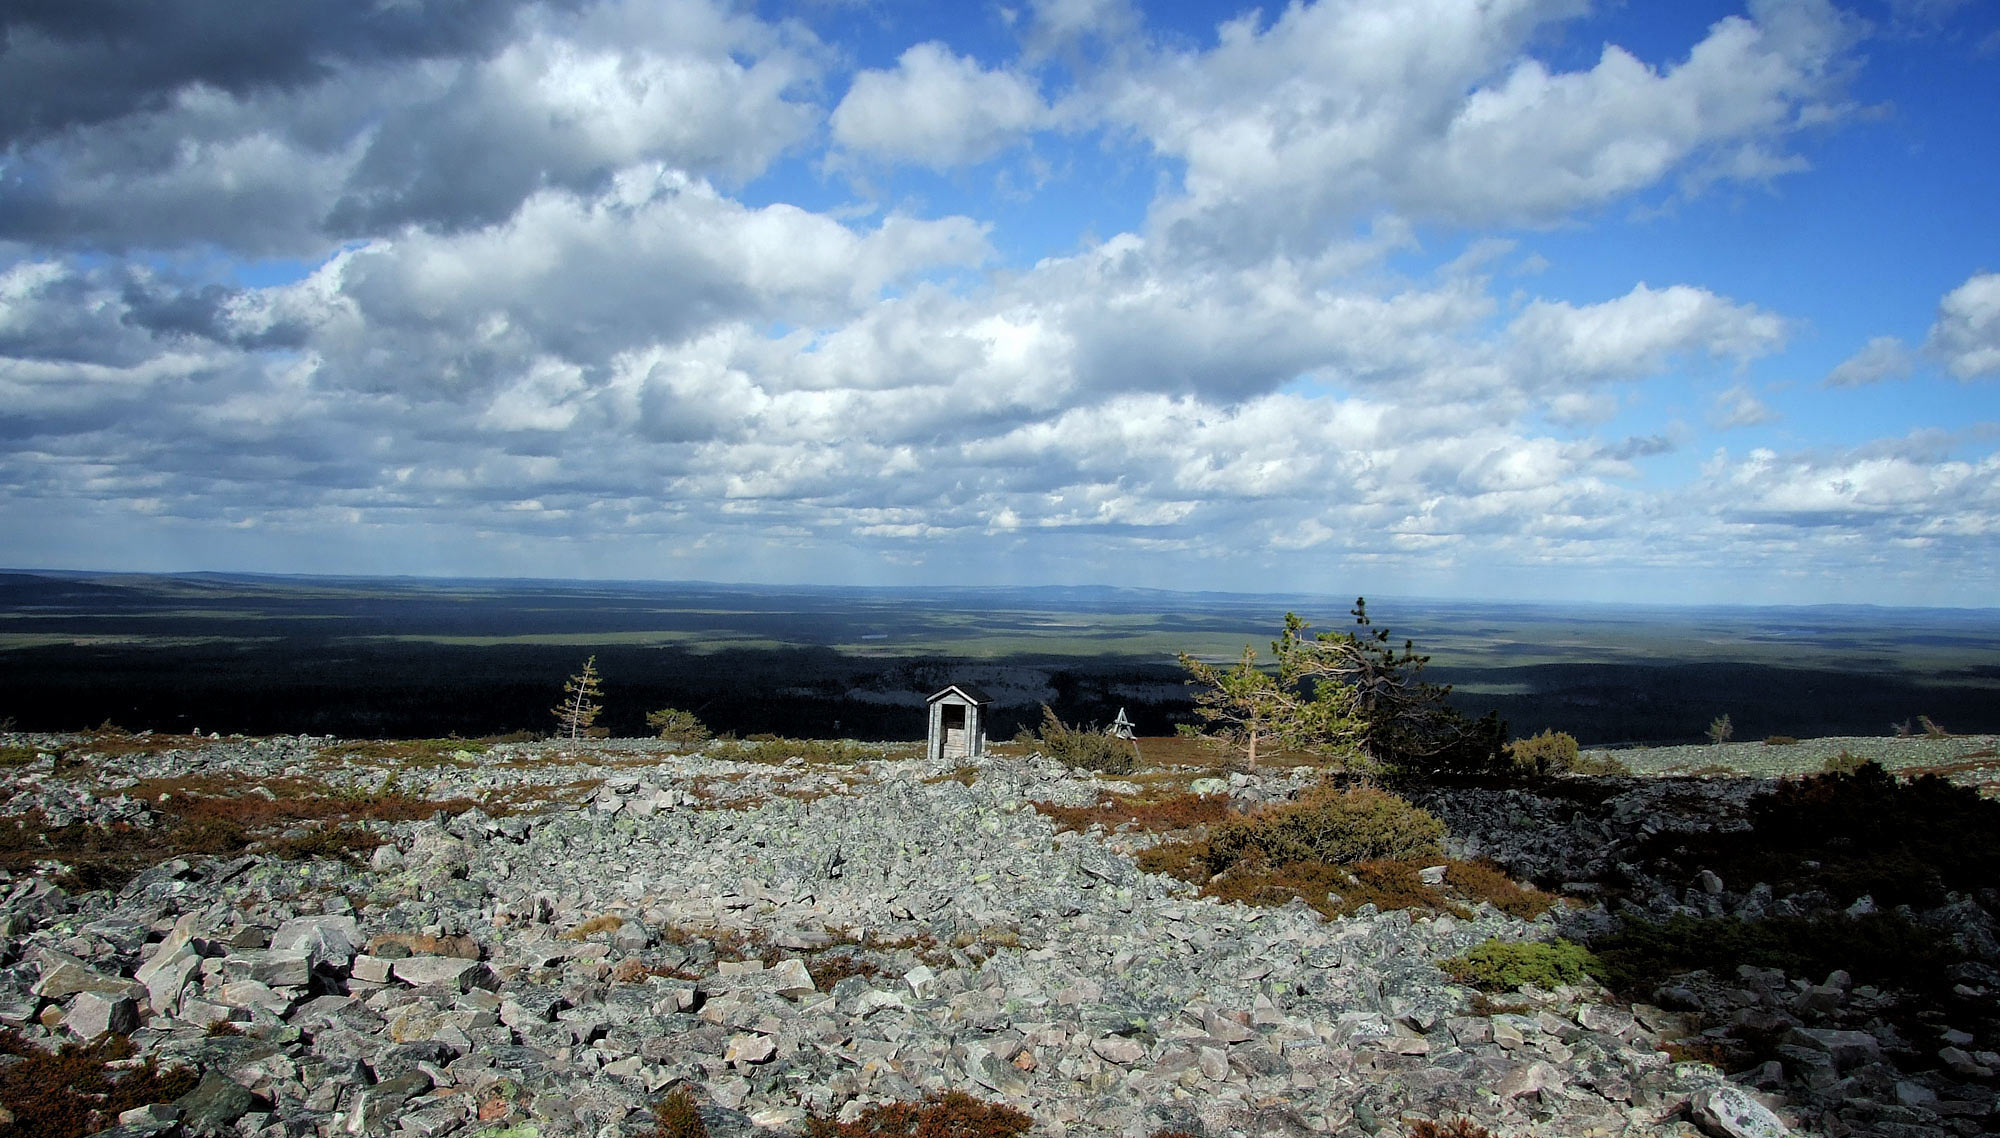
(1456, 1128)
(953, 1114)
(1483, 881)
(1179, 812)
(71, 1092)
(677, 1117)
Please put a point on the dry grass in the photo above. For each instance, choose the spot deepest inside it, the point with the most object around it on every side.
(413, 752)
(828, 970)
(1969, 763)
(810, 752)
(1211, 757)
(725, 943)
(1483, 1004)
(600, 924)
(116, 742)
(1719, 1053)
(576, 792)
(633, 970)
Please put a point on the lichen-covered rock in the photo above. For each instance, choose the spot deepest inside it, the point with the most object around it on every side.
(1730, 1112)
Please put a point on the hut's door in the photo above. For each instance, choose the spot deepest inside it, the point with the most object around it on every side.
(955, 743)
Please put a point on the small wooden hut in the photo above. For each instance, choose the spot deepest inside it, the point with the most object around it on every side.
(958, 723)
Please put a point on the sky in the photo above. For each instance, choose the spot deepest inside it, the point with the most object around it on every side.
(1497, 299)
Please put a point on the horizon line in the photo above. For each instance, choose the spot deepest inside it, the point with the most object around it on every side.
(1421, 598)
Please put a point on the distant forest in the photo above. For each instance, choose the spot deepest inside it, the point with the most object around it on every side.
(400, 659)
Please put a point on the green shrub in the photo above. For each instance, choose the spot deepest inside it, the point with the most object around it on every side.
(1499, 965)
(1084, 747)
(16, 756)
(1898, 841)
(1883, 949)
(1848, 835)
(1780, 741)
(1332, 826)
(677, 726)
(1842, 763)
(1599, 765)
(1550, 752)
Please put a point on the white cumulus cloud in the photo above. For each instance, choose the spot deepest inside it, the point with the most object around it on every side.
(1884, 357)
(937, 109)
(1966, 335)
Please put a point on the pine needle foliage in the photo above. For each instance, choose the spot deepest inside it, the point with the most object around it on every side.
(1351, 696)
(580, 704)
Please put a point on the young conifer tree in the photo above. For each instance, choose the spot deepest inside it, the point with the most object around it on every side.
(579, 706)
(1240, 705)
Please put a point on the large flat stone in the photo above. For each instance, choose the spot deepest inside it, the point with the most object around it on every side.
(1730, 1112)
(92, 1014)
(213, 1106)
(744, 1049)
(330, 940)
(453, 971)
(64, 975)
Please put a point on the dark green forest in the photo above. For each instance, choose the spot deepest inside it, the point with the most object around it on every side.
(398, 658)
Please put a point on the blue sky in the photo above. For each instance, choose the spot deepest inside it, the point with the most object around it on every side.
(1540, 299)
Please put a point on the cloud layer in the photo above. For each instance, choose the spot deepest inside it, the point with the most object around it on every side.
(553, 310)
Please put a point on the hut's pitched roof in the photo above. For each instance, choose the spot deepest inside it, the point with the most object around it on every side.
(965, 691)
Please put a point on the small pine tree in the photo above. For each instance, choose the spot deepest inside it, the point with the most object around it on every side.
(1720, 729)
(1241, 705)
(579, 706)
(677, 726)
(1352, 697)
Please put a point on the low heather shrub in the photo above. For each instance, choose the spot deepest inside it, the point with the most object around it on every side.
(1550, 752)
(1499, 965)
(1883, 949)
(1332, 826)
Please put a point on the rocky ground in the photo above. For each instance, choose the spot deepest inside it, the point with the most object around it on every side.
(581, 929)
